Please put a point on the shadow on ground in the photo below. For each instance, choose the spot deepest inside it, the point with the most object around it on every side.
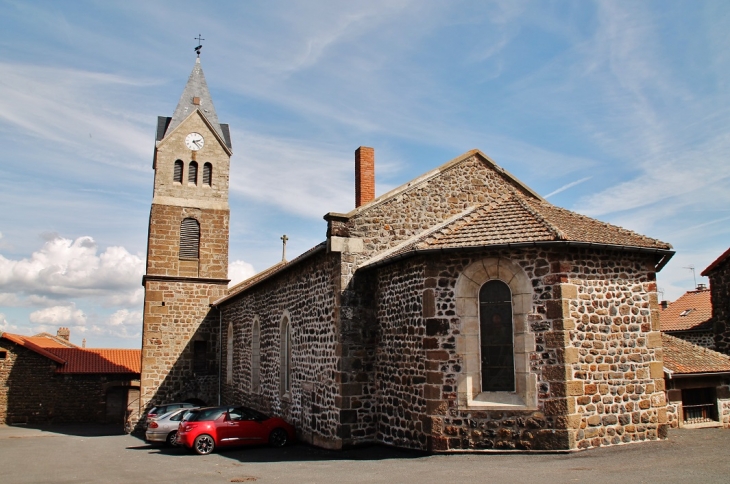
(79, 430)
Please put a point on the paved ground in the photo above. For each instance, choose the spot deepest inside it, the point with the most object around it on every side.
(83, 454)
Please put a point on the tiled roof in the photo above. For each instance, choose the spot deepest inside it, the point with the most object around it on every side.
(266, 273)
(692, 311)
(47, 340)
(94, 360)
(82, 360)
(716, 263)
(517, 220)
(683, 357)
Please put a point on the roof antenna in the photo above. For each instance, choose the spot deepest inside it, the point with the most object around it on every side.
(200, 40)
(692, 268)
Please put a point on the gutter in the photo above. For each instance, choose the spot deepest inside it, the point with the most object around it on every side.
(665, 253)
(670, 374)
(220, 352)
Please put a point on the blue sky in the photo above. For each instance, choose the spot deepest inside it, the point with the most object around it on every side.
(617, 110)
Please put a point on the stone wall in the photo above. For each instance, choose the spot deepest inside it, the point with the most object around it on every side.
(720, 294)
(32, 392)
(308, 294)
(706, 339)
(595, 361)
(177, 314)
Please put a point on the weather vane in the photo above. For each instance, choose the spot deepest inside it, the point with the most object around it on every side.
(200, 40)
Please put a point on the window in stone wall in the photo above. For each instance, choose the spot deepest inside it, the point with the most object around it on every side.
(3, 355)
(699, 405)
(255, 356)
(229, 355)
(207, 174)
(285, 376)
(178, 171)
(193, 173)
(200, 357)
(495, 334)
(189, 238)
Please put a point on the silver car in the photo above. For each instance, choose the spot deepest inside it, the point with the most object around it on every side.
(164, 427)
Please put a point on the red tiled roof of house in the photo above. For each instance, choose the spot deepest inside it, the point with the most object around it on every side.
(23, 341)
(46, 342)
(81, 360)
(683, 357)
(95, 360)
(62, 343)
(692, 311)
(716, 263)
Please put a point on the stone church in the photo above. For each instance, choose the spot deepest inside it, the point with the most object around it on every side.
(458, 312)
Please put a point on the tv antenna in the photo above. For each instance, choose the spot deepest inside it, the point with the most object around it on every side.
(200, 40)
(692, 268)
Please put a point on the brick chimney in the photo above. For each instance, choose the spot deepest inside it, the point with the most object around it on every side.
(64, 333)
(364, 175)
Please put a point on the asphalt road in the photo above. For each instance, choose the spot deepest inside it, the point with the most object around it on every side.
(93, 454)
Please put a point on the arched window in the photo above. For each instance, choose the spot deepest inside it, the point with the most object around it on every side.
(229, 355)
(495, 334)
(285, 376)
(178, 171)
(193, 173)
(207, 174)
(189, 238)
(255, 356)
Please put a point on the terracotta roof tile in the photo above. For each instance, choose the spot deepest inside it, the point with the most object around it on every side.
(683, 357)
(45, 342)
(692, 311)
(25, 343)
(95, 360)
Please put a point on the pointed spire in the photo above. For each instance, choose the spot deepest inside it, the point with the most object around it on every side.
(195, 96)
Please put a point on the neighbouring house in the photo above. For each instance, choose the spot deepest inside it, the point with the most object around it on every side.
(698, 384)
(47, 379)
(719, 275)
(690, 317)
(460, 311)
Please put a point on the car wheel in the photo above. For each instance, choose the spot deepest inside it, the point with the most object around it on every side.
(171, 438)
(204, 444)
(278, 438)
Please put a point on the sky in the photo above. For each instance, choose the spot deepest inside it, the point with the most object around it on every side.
(618, 110)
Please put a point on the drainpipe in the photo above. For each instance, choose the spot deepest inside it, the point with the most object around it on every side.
(220, 351)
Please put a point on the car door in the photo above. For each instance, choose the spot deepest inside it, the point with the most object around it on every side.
(228, 427)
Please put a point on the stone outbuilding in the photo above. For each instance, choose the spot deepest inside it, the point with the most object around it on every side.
(460, 311)
(47, 379)
(719, 274)
(698, 384)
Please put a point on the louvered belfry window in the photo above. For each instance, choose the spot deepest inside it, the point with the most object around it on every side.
(177, 174)
(207, 174)
(189, 238)
(193, 173)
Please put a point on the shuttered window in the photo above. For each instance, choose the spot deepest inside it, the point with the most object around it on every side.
(189, 238)
(207, 174)
(177, 174)
(193, 173)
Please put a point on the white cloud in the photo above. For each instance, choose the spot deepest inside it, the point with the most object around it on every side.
(6, 326)
(58, 316)
(239, 271)
(64, 269)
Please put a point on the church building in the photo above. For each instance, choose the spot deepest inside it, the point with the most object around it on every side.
(458, 312)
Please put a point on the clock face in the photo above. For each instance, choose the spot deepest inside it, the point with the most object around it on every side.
(194, 141)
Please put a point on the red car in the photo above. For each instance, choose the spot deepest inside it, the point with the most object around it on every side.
(207, 428)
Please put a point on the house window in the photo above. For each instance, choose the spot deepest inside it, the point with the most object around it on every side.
(229, 355)
(285, 376)
(3, 355)
(178, 171)
(495, 334)
(255, 356)
(207, 174)
(193, 173)
(189, 238)
(200, 357)
(699, 405)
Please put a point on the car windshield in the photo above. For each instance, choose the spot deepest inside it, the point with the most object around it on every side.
(205, 414)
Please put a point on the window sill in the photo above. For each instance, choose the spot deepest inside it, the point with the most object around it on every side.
(498, 401)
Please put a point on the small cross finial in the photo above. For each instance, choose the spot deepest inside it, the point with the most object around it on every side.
(200, 40)
(284, 238)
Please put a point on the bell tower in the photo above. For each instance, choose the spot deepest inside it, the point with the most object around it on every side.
(187, 251)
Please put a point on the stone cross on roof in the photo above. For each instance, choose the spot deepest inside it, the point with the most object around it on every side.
(284, 238)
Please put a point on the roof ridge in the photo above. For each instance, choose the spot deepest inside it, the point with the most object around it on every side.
(541, 218)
